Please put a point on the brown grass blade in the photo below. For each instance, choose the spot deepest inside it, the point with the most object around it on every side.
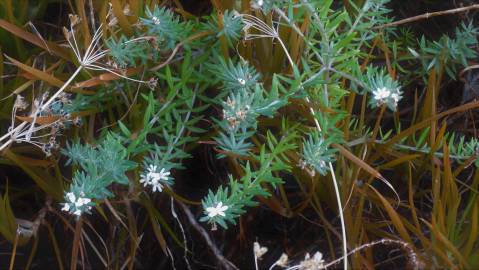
(366, 167)
(44, 76)
(394, 216)
(32, 38)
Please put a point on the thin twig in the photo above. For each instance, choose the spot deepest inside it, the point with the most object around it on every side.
(429, 15)
(413, 259)
(219, 256)
(178, 46)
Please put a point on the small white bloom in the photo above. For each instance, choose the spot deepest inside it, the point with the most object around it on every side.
(156, 185)
(71, 197)
(82, 201)
(152, 168)
(162, 175)
(242, 81)
(155, 20)
(76, 205)
(145, 179)
(395, 97)
(259, 3)
(219, 209)
(381, 94)
(154, 178)
(66, 207)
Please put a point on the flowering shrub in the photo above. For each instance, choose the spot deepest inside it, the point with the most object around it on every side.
(279, 92)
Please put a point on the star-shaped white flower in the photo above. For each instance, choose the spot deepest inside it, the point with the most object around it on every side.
(219, 209)
(381, 94)
(76, 205)
(154, 178)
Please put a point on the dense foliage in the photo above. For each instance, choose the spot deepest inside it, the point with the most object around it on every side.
(316, 110)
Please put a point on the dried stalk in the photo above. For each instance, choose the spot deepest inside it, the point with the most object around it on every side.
(429, 15)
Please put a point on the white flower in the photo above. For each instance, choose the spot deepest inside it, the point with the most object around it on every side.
(155, 20)
(242, 81)
(71, 197)
(66, 207)
(259, 2)
(395, 98)
(76, 205)
(154, 178)
(156, 185)
(162, 175)
(81, 202)
(218, 210)
(145, 179)
(381, 94)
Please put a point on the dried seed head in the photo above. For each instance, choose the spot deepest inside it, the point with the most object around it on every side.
(283, 260)
(258, 250)
(67, 33)
(64, 98)
(47, 149)
(230, 103)
(314, 263)
(152, 83)
(45, 95)
(241, 114)
(232, 121)
(20, 103)
(127, 11)
(74, 19)
(77, 121)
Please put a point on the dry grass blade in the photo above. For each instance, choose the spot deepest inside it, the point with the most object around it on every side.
(395, 217)
(41, 75)
(17, 31)
(367, 168)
